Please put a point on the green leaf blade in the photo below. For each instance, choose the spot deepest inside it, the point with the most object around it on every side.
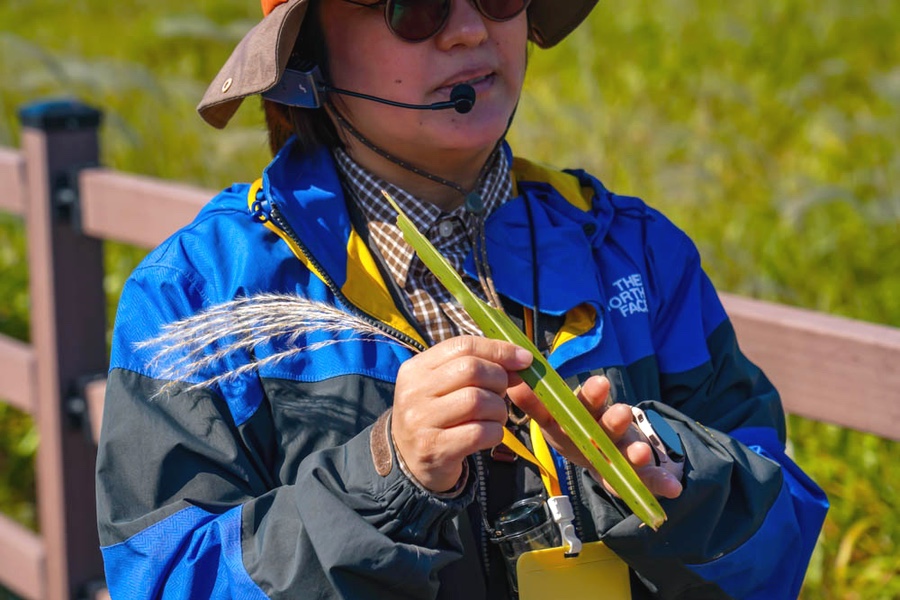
(548, 385)
(592, 441)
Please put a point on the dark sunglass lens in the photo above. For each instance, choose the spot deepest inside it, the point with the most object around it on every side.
(417, 20)
(501, 10)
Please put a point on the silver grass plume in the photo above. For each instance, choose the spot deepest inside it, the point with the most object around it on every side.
(244, 324)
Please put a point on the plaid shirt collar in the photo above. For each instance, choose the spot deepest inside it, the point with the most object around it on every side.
(495, 188)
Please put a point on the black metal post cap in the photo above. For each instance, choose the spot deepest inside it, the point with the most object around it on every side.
(59, 115)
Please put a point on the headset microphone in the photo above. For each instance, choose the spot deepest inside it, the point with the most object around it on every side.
(463, 97)
(303, 89)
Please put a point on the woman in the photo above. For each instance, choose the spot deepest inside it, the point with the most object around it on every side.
(363, 469)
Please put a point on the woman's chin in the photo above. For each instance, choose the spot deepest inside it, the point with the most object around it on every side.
(469, 132)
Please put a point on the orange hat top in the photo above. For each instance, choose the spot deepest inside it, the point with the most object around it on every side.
(269, 5)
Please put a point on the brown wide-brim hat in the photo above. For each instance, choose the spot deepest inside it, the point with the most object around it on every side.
(259, 60)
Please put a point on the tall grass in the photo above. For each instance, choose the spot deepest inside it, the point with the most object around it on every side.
(768, 131)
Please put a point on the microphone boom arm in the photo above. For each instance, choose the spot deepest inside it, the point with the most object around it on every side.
(304, 88)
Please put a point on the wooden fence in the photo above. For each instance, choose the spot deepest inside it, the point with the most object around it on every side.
(827, 368)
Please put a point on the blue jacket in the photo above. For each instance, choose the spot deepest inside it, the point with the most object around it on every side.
(264, 485)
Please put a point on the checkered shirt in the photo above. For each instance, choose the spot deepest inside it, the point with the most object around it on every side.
(452, 233)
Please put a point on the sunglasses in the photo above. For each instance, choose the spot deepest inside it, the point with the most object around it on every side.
(418, 20)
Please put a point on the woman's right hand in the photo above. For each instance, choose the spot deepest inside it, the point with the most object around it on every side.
(449, 403)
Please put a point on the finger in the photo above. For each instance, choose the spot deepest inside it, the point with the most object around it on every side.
(514, 378)
(505, 354)
(616, 421)
(639, 454)
(470, 404)
(594, 394)
(660, 482)
(443, 412)
(470, 437)
(418, 381)
(460, 362)
(525, 398)
(472, 371)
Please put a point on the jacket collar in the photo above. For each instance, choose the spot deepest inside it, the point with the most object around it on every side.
(561, 218)
(307, 192)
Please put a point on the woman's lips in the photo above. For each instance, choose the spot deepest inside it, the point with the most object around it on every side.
(479, 83)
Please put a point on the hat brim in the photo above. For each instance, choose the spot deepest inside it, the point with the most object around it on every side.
(552, 20)
(250, 69)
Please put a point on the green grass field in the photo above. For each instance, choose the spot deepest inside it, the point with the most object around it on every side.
(769, 132)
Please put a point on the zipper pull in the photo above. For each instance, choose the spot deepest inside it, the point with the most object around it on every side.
(256, 202)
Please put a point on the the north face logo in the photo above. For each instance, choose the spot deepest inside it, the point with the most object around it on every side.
(630, 297)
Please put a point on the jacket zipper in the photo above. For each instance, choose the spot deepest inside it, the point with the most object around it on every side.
(277, 218)
(481, 500)
(575, 493)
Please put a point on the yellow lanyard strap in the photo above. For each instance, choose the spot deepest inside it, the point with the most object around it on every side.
(543, 461)
(560, 506)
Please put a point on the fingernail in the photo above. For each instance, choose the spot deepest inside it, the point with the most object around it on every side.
(523, 357)
(674, 485)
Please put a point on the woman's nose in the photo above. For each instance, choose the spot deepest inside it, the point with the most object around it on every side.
(465, 26)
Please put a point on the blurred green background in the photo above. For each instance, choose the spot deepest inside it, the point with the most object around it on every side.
(768, 131)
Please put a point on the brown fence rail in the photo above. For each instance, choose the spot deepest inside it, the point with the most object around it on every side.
(827, 368)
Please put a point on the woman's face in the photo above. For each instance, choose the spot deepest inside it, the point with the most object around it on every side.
(364, 56)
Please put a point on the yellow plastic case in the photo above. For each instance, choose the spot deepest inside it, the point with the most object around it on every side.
(596, 573)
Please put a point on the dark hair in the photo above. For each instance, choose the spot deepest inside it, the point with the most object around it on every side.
(312, 126)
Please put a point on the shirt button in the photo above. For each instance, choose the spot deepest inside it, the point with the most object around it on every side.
(445, 229)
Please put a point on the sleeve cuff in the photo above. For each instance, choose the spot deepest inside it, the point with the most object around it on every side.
(384, 453)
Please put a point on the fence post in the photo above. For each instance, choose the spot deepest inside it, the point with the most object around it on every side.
(68, 333)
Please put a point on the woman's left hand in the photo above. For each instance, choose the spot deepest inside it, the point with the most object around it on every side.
(616, 421)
